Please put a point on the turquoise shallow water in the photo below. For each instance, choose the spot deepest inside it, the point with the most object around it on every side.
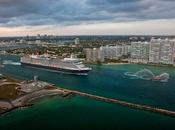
(84, 113)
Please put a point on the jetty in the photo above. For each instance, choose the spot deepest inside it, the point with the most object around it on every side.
(26, 91)
(128, 104)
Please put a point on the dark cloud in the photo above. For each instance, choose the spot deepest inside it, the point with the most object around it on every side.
(66, 12)
(110, 2)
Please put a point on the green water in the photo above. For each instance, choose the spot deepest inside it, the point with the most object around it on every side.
(84, 113)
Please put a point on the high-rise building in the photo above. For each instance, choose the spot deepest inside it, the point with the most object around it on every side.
(77, 41)
(140, 52)
(154, 52)
(162, 51)
(115, 52)
(94, 55)
(126, 49)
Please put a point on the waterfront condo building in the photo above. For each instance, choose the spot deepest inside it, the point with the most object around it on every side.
(162, 51)
(94, 55)
(115, 52)
(140, 52)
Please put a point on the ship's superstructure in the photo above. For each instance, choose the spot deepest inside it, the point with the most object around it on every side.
(66, 65)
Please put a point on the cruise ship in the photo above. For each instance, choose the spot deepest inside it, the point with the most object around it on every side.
(67, 65)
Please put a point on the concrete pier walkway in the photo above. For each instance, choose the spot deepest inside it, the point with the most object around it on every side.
(128, 104)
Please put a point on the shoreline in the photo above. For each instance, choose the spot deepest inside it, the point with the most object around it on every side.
(115, 63)
(130, 63)
(112, 63)
(15, 108)
(24, 101)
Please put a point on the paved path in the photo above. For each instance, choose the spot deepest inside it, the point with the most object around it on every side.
(38, 94)
(5, 105)
(8, 83)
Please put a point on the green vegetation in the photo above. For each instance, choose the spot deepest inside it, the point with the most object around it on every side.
(62, 51)
(9, 92)
(9, 88)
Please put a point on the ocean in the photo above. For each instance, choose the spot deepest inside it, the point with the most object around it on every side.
(84, 113)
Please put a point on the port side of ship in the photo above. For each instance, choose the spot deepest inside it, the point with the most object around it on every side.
(77, 69)
(55, 69)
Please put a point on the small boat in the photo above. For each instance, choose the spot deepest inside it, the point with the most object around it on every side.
(161, 78)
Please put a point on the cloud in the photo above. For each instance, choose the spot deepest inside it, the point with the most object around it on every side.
(150, 27)
(74, 12)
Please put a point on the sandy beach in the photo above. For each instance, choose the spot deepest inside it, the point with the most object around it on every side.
(116, 63)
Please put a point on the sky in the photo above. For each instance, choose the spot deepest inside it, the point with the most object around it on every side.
(87, 17)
